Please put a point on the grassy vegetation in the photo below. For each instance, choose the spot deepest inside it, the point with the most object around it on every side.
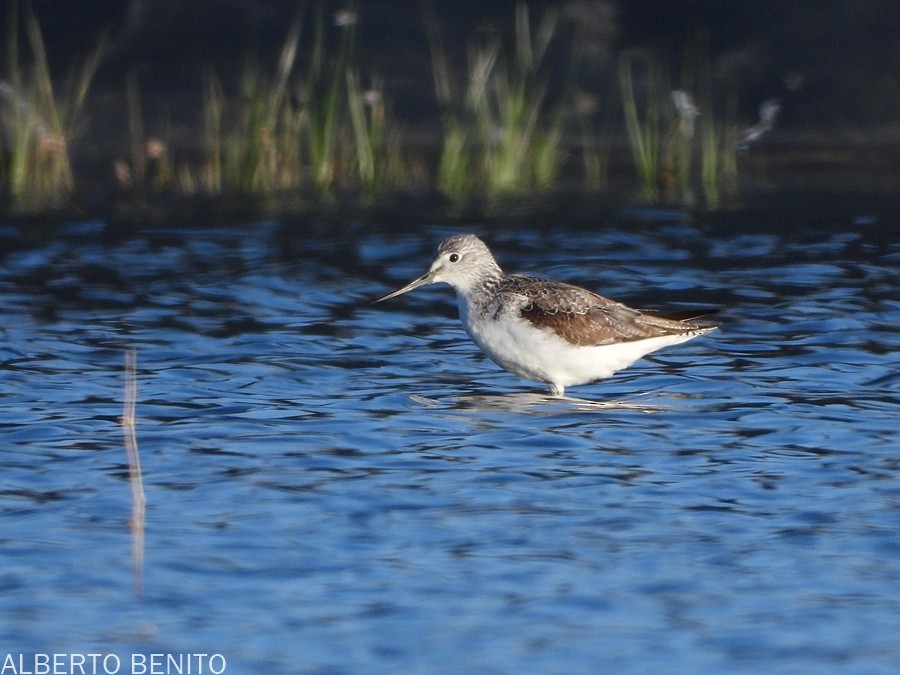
(39, 123)
(315, 125)
(682, 149)
(251, 146)
(642, 119)
(303, 127)
(501, 133)
(718, 132)
(308, 125)
(594, 151)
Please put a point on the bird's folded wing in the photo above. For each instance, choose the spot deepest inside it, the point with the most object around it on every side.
(584, 318)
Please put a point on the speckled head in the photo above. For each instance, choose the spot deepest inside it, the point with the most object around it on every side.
(463, 261)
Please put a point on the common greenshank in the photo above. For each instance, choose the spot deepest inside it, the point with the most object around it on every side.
(547, 331)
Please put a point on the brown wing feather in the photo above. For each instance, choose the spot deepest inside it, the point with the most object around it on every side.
(587, 319)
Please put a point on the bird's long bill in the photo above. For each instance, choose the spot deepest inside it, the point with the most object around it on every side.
(421, 281)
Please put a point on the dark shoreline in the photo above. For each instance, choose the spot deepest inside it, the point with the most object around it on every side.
(805, 167)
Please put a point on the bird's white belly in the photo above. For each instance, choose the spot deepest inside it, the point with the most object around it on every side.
(540, 354)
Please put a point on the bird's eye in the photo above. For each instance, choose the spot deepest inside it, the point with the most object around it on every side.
(453, 257)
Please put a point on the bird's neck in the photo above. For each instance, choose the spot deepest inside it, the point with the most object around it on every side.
(477, 297)
(481, 285)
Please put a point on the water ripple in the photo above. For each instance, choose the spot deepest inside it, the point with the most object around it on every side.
(359, 481)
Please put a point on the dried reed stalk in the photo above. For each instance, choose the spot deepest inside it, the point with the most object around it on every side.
(138, 502)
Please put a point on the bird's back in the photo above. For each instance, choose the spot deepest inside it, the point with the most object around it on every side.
(581, 317)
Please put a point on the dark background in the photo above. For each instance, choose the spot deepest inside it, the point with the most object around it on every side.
(834, 63)
(844, 57)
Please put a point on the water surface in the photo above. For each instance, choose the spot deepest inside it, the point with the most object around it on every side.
(336, 487)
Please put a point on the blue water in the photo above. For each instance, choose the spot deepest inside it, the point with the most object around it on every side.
(336, 487)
